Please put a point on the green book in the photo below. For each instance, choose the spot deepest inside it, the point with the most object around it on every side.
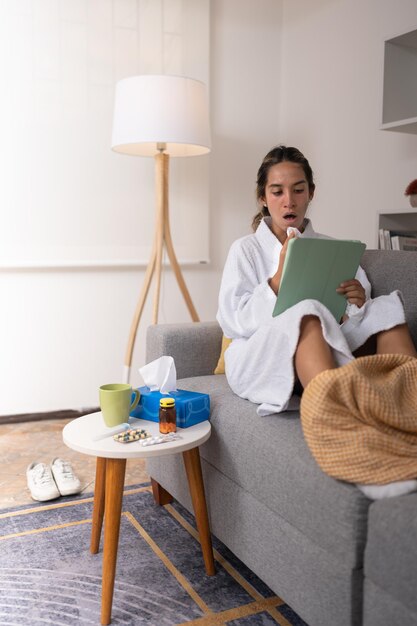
(314, 268)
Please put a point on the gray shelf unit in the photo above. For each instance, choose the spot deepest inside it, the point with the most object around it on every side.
(406, 222)
(398, 222)
(399, 109)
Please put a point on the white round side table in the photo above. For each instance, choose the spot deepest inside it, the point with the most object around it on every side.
(81, 435)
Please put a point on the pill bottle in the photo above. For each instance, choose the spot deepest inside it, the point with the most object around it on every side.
(167, 416)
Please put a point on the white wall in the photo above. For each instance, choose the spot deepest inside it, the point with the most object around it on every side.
(59, 63)
(331, 108)
(64, 332)
(313, 73)
(245, 90)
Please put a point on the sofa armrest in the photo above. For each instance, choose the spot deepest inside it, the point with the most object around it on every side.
(195, 346)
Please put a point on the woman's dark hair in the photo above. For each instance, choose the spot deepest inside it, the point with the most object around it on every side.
(279, 154)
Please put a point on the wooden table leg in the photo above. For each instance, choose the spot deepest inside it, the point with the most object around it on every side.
(98, 508)
(115, 478)
(195, 482)
(160, 495)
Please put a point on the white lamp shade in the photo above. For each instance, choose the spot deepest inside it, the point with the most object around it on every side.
(161, 109)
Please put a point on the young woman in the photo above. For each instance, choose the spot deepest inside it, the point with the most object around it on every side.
(269, 356)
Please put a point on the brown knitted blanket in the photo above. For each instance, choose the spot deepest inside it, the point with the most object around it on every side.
(360, 420)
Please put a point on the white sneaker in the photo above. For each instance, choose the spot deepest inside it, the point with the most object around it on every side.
(64, 476)
(41, 482)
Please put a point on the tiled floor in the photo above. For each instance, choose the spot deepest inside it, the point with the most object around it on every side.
(22, 443)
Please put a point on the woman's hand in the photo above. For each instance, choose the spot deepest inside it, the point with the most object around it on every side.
(275, 280)
(353, 292)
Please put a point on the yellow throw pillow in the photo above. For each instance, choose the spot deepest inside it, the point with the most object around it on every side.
(220, 364)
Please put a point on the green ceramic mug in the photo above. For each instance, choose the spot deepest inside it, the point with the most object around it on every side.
(116, 403)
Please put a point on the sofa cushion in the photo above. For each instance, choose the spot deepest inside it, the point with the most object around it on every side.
(268, 457)
(391, 550)
(393, 269)
(220, 367)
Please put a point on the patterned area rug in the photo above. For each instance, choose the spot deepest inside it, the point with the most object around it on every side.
(48, 576)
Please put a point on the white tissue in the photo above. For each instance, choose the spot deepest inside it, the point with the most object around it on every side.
(292, 229)
(160, 375)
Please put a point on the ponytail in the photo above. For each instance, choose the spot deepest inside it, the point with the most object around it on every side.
(257, 219)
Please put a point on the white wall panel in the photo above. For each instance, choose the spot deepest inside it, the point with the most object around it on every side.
(151, 36)
(125, 13)
(87, 205)
(75, 11)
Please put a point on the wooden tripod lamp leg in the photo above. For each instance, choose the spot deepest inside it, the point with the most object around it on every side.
(138, 314)
(161, 194)
(162, 236)
(178, 274)
(155, 262)
(174, 263)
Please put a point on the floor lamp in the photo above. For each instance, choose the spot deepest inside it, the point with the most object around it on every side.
(160, 116)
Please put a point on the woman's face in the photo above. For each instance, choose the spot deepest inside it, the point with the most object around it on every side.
(287, 196)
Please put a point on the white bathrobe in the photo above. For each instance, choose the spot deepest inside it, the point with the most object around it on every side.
(260, 360)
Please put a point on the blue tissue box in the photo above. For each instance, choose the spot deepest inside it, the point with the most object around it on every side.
(191, 407)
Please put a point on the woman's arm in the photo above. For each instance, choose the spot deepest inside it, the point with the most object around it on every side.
(246, 300)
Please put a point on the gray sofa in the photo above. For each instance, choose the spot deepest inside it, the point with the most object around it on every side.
(336, 557)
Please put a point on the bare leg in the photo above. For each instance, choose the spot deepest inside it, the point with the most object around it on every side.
(397, 340)
(367, 349)
(313, 354)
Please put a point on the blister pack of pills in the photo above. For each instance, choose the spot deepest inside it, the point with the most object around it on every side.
(152, 441)
(132, 435)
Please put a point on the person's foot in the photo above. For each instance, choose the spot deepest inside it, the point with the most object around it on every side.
(64, 476)
(41, 483)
